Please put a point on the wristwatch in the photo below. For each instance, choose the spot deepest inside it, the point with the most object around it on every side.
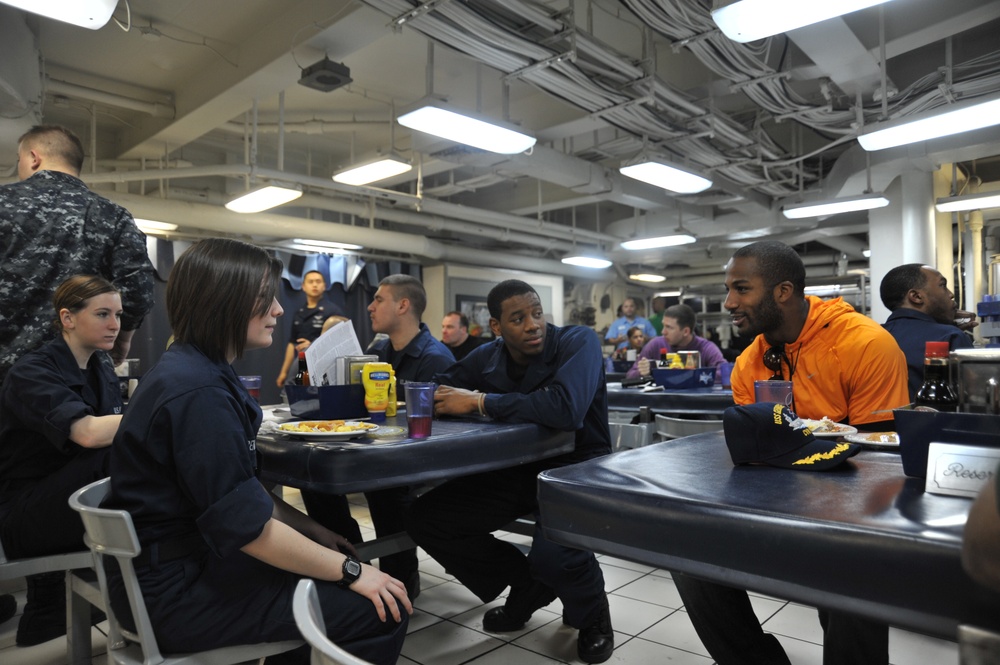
(351, 570)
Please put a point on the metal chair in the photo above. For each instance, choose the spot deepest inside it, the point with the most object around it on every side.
(309, 619)
(111, 533)
(668, 427)
(81, 593)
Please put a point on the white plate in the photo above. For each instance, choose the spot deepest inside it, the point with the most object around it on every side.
(875, 440)
(329, 436)
(842, 430)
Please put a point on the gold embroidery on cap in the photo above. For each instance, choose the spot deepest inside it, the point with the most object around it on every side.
(818, 457)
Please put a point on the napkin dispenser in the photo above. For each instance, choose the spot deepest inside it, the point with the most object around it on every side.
(326, 402)
(918, 429)
(975, 374)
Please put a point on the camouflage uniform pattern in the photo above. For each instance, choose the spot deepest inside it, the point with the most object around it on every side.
(51, 228)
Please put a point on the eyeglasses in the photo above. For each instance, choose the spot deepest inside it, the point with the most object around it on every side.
(773, 358)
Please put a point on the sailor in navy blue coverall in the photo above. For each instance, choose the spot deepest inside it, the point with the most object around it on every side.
(537, 373)
(43, 395)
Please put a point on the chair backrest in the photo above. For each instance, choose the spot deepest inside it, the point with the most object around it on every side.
(668, 427)
(309, 619)
(110, 532)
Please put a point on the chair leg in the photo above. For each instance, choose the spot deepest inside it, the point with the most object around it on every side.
(78, 642)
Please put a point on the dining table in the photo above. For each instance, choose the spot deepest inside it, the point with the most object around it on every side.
(388, 457)
(861, 538)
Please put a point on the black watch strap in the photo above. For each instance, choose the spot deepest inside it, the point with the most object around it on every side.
(351, 571)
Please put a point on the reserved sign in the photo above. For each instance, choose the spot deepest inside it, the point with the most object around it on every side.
(959, 470)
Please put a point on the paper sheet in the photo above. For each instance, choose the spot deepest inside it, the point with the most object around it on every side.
(321, 356)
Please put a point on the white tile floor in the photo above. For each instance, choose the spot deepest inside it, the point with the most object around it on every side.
(649, 621)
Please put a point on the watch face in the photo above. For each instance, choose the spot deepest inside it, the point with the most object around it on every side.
(352, 568)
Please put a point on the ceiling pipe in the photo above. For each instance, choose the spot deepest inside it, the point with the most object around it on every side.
(314, 126)
(268, 226)
(155, 109)
(496, 219)
(363, 211)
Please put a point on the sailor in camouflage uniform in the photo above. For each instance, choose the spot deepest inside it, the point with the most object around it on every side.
(52, 227)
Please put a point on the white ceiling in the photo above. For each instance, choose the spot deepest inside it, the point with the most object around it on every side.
(186, 76)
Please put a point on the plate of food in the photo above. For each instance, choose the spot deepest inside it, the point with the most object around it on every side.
(327, 430)
(828, 429)
(875, 440)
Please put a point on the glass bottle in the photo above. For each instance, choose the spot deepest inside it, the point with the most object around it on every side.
(936, 391)
(302, 376)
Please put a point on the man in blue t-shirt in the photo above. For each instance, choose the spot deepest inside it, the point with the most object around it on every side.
(923, 310)
(618, 330)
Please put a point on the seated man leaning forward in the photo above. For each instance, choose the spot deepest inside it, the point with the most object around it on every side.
(678, 335)
(842, 365)
(538, 373)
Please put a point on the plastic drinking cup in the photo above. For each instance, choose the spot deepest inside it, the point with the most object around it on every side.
(252, 384)
(779, 392)
(726, 374)
(419, 408)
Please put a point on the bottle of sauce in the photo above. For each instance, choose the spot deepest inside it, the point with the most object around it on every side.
(936, 391)
(663, 359)
(302, 376)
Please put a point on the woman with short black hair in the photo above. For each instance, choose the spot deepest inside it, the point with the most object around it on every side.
(222, 555)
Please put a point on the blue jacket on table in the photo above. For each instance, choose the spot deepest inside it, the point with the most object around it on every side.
(912, 330)
(565, 389)
(184, 460)
(42, 395)
(419, 360)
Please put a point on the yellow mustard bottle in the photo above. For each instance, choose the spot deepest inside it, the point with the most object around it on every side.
(376, 377)
(390, 408)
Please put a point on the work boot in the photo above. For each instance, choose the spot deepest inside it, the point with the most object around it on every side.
(522, 602)
(597, 640)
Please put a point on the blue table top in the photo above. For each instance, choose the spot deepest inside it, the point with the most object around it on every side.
(862, 538)
(456, 447)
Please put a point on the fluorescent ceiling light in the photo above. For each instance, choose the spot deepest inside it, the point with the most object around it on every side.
(147, 225)
(867, 253)
(91, 14)
(661, 241)
(968, 202)
(264, 198)
(663, 175)
(747, 20)
(945, 121)
(432, 117)
(835, 206)
(324, 244)
(379, 169)
(586, 261)
(647, 277)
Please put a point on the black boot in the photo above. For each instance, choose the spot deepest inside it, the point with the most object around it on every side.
(522, 602)
(44, 615)
(597, 640)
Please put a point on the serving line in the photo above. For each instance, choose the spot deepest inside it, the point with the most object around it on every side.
(862, 539)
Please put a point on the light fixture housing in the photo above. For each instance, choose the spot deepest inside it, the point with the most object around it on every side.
(432, 116)
(748, 20)
(944, 121)
(150, 225)
(659, 241)
(968, 202)
(587, 262)
(647, 277)
(660, 173)
(264, 198)
(321, 245)
(92, 14)
(834, 206)
(373, 171)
